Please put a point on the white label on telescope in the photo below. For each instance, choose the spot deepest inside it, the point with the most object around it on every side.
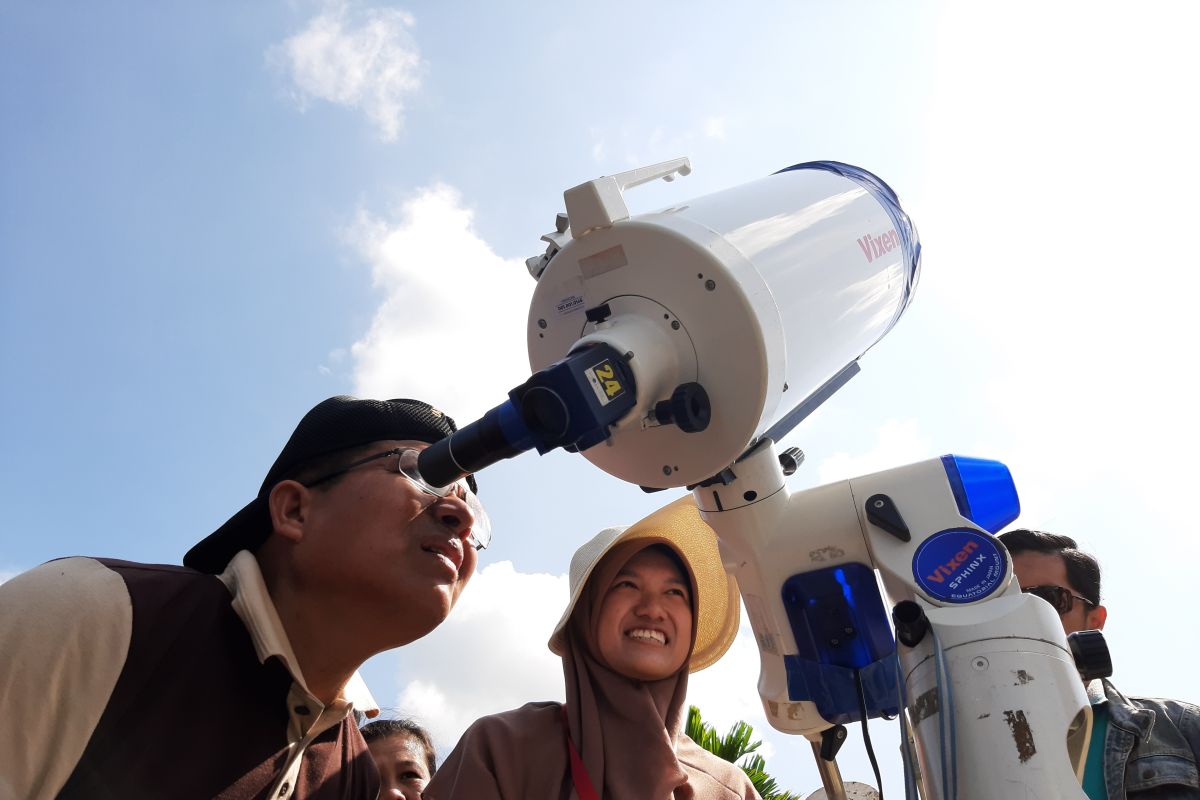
(760, 621)
(602, 262)
(569, 304)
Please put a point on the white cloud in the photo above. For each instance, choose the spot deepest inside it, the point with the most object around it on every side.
(364, 59)
(599, 148)
(1062, 253)
(632, 144)
(6, 576)
(899, 443)
(333, 362)
(445, 292)
(714, 128)
(490, 655)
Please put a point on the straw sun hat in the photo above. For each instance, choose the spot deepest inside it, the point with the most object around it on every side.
(678, 525)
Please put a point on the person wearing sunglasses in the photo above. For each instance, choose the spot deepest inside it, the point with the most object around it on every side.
(1141, 747)
(236, 674)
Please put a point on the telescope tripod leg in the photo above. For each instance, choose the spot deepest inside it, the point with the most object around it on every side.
(825, 752)
(831, 776)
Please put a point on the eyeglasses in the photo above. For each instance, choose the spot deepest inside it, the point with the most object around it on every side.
(480, 535)
(1060, 597)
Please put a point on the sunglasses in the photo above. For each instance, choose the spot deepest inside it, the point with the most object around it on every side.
(405, 464)
(1061, 598)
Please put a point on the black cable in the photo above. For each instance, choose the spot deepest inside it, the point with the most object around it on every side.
(862, 708)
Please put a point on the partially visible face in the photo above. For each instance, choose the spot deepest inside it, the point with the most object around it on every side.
(1048, 569)
(644, 628)
(402, 765)
(377, 540)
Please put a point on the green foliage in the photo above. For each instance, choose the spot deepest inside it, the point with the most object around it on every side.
(734, 746)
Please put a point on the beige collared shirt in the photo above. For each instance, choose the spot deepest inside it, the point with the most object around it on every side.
(307, 717)
(65, 630)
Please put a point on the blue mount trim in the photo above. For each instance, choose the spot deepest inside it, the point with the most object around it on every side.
(835, 692)
(840, 625)
(984, 491)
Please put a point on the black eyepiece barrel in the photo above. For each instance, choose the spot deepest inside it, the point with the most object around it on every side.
(468, 450)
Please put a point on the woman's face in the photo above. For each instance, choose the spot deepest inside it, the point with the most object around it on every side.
(644, 629)
(403, 772)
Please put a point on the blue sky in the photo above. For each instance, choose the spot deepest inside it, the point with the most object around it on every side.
(213, 216)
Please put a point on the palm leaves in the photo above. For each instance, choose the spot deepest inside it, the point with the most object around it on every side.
(735, 745)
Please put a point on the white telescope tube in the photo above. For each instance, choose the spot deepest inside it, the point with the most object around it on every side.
(761, 293)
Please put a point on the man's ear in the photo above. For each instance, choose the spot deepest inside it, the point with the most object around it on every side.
(289, 504)
(1096, 617)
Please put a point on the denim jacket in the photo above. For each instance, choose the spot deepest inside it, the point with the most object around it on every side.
(1152, 748)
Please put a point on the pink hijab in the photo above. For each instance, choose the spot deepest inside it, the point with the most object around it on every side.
(628, 732)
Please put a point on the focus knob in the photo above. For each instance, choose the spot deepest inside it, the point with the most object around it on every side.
(688, 408)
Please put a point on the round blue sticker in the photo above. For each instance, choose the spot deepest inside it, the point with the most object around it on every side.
(959, 565)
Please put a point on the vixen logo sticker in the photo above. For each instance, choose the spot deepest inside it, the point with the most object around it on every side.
(959, 565)
(948, 569)
(875, 246)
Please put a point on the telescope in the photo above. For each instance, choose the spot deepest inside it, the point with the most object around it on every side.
(678, 338)
(676, 348)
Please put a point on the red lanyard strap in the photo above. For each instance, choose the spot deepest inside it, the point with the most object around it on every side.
(579, 776)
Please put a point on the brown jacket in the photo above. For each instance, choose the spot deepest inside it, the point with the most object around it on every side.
(202, 705)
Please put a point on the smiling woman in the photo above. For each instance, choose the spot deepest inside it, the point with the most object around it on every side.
(644, 628)
(649, 604)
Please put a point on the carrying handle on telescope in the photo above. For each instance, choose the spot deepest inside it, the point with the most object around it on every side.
(599, 203)
(663, 169)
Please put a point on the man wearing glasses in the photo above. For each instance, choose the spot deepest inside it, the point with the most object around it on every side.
(1140, 748)
(235, 676)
